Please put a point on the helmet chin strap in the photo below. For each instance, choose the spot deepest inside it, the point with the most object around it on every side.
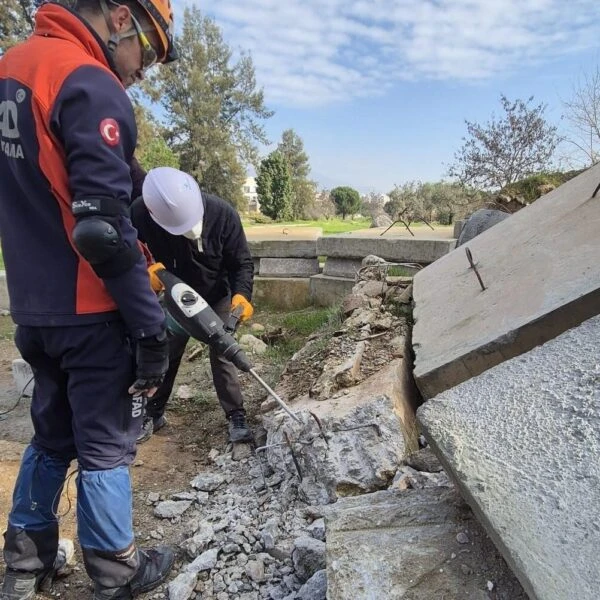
(115, 38)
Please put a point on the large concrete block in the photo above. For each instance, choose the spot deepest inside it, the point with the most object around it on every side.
(541, 270)
(523, 441)
(342, 267)
(283, 248)
(328, 291)
(288, 267)
(417, 250)
(397, 545)
(286, 293)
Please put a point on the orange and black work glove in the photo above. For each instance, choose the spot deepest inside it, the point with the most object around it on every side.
(246, 308)
(155, 282)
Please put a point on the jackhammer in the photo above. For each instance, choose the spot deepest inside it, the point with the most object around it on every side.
(193, 314)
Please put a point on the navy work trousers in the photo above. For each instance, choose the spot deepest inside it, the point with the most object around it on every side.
(80, 409)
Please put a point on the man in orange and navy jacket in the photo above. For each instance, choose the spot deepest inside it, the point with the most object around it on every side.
(87, 320)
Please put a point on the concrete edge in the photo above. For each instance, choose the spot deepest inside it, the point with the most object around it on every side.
(513, 343)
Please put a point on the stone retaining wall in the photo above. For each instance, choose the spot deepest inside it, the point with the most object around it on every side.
(288, 273)
(281, 263)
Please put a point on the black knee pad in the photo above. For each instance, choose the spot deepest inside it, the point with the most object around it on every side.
(98, 239)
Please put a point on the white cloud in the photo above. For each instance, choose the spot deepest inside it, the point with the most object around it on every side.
(316, 52)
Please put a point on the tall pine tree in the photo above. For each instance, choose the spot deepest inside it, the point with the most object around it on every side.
(213, 108)
(274, 187)
(291, 147)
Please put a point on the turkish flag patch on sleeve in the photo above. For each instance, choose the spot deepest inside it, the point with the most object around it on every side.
(109, 130)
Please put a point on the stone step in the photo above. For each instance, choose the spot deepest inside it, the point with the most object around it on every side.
(285, 293)
(412, 250)
(288, 267)
(289, 248)
(522, 440)
(328, 291)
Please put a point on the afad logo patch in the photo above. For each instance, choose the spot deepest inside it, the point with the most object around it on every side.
(109, 130)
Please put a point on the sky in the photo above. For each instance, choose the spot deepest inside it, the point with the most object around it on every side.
(379, 90)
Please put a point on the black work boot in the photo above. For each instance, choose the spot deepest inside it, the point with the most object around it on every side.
(150, 426)
(20, 585)
(238, 428)
(155, 566)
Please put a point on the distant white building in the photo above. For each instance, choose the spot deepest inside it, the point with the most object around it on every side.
(249, 191)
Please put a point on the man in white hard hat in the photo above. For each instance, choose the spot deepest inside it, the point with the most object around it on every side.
(199, 238)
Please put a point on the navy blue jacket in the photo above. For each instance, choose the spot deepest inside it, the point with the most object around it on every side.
(67, 132)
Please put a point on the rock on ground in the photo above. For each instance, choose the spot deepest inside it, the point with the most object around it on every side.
(315, 588)
(170, 509)
(308, 557)
(208, 482)
(182, 587)
(478, 222)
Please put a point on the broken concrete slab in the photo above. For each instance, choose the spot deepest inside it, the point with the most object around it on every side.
(288, 267)
(409, 544)
(541, 270)
(368, 430)
(289, 248)
(522, 441)
(339, 375)
(414, 250)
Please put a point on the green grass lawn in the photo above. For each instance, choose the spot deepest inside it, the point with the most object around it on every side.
(329, 226)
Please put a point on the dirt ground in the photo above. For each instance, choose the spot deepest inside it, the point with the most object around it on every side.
(166, 463)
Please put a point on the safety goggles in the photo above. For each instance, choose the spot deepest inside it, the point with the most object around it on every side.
(149, 55)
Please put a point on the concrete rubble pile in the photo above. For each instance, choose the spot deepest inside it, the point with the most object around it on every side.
(355, 428)
(246, 535)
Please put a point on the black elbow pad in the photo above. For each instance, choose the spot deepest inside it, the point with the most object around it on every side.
(98, 239)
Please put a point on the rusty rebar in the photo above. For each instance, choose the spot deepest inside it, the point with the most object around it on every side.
(474, 267)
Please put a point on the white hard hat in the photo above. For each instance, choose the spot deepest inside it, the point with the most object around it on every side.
(173, 199)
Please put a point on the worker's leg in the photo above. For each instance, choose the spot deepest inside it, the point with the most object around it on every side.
(32, 535)
(227, 385)
(31, 538)
(224, 373)
(100, 367)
